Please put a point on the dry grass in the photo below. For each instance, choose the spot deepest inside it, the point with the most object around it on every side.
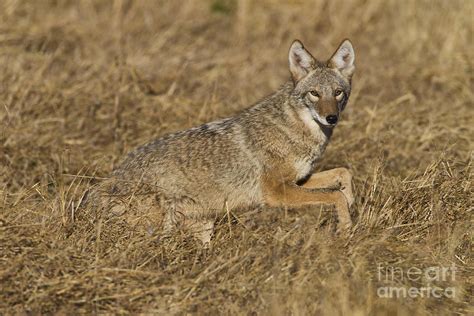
(83, 82)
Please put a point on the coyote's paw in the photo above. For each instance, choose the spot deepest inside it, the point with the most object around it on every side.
(347, 191)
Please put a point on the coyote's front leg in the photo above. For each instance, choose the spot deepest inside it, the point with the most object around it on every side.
(338, 177)
(278, 193)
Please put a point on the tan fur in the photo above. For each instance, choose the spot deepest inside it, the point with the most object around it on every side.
(265, 155)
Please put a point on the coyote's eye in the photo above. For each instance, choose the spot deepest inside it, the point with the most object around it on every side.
(313, 95)
(338, 94)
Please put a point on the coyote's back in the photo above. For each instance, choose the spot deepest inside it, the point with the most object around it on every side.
(206, 167)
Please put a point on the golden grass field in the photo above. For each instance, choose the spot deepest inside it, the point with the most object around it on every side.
(83, 82)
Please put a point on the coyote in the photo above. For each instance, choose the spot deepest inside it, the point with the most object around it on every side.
(263, 156)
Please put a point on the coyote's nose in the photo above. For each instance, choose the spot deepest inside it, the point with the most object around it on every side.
(331, 119)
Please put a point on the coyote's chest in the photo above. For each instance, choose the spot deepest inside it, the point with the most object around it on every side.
(303, 168)
(305, 161)
(305, 165)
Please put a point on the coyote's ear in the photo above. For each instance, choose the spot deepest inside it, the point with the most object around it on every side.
(343, 59)
(300, 60)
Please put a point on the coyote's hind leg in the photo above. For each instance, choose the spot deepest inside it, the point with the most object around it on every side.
(169, 222)
(187, 215)
(203, 229)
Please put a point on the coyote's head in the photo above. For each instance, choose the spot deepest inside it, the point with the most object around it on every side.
(322, 88)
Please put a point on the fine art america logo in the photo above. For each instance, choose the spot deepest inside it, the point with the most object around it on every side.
(429, 277)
